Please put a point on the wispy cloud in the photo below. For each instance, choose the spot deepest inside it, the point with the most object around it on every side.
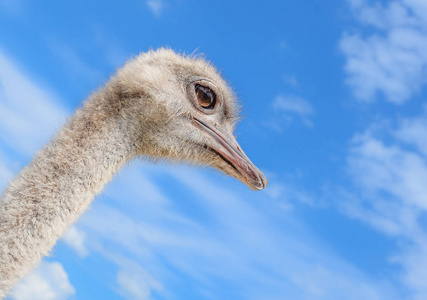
(391, 61)
(132, 281)
(388, 167)
(290, 80)
(28, 114)
(156, 6)
(287, 109)
(48, 282)
(232, 243)
(293, 105)
(6, 172)
(115, 54)
(413, 132)
(132, 286)
(73, 62)
(75, 238)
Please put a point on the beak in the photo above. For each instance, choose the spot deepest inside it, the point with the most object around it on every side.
(230, 151)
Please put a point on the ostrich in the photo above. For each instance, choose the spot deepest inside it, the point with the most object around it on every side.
(160, 105)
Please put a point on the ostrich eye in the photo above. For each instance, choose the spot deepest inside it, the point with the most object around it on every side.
(205, 96)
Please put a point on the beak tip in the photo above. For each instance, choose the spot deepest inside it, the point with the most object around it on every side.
(260, 184)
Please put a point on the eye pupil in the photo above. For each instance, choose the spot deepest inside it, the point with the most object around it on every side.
(205, 96)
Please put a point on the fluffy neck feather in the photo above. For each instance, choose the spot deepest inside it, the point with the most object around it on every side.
(59, 184)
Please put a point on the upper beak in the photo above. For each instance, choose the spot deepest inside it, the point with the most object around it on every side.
(230, 151)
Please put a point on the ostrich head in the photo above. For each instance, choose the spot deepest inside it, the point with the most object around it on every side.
(184, 111)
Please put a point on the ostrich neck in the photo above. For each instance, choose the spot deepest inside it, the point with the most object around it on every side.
(58, 185)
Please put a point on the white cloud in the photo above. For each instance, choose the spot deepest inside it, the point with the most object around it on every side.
(413, 132)
(115, 54)
(74, 63)
(6, 172)
(391, 179)
(275, 189)
(48, 282)
(290, 80)
(233, 234)
(132, 287)
(231, 240)
(287, 108)
(132, 280)
(388, 167)
(156, 6)
(29, 114)
(392, 61)
(136, 284)
(75, 238)
(388, 164)
(293, 105)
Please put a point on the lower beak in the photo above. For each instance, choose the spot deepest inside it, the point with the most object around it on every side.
(230, 151)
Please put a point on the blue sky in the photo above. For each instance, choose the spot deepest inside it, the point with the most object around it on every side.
(335, 115)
